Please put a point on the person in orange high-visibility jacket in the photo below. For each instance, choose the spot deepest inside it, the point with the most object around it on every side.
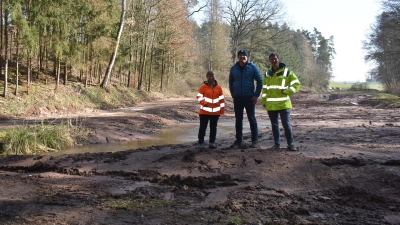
(212, 105)
(279, 83)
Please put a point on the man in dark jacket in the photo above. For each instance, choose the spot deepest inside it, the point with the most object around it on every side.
(245, 95)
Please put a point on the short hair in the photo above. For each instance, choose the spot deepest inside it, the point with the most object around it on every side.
(273, 54)
(210, 72)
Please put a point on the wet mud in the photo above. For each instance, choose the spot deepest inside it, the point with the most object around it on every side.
(346, 172)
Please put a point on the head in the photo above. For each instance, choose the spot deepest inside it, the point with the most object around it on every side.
(243, 56)
(210, 76)
(274, 60)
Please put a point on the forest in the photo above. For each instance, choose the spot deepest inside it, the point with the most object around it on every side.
(383, 46)
(159, 45)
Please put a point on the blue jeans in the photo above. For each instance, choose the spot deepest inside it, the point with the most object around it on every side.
(285, 119)
(239, 104)
(203, 127)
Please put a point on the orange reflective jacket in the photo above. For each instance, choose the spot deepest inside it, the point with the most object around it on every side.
(211, 99)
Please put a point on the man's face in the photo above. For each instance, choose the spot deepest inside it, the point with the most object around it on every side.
(274, 60)
(242, 58)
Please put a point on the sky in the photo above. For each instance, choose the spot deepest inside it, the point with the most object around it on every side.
(348, 21)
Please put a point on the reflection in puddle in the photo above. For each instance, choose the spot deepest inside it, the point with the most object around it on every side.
(182, 133)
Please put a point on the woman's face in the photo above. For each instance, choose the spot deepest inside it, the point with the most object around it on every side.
(210, 77)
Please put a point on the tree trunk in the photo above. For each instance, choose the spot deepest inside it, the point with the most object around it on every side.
(1, 33)
(112, 61)
(47, 58)
(65, 73)
(40, 56)
(28, 75)
(143, 58)
(5, 53)
(1, 28)
(151, 62)
(162, 70)
(86, 60)
(58, 72)
(120, 74)
(17, 67)
(130, 64)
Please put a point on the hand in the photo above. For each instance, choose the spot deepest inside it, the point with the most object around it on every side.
(254, 100)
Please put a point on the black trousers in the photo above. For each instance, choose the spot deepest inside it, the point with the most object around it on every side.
(203, 127)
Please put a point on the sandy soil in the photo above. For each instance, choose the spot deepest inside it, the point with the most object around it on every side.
(346, 172)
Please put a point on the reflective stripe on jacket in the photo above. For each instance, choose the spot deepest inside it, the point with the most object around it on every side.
(213, 98)
(278, 87)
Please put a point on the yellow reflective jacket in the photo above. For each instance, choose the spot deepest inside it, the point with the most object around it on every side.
(277, 88)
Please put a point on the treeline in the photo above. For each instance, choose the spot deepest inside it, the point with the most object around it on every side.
(383, 47)
(260, 27)
(150, 44)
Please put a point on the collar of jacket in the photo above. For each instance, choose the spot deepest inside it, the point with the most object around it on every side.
(215, 84)
(248, 63)
(270, 72)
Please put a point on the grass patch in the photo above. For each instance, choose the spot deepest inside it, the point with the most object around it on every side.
(382, 100)
(235, 220)
(340, 85)
(375, 85)
(356, 85)
(137, 204)
(45, 99)
(34, 139)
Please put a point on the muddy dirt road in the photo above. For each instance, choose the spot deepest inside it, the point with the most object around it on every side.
(346, 172)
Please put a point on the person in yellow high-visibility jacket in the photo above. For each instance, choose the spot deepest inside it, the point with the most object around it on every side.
(279, 83)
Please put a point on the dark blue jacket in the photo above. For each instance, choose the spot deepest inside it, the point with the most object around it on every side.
(241, 80)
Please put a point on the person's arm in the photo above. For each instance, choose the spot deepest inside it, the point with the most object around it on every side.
(294, 85)
(264, 91)
(258, 79)
(222, 101)
(231, 80)
(200, 96)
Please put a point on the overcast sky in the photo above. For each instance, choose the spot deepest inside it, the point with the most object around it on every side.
(347, 20)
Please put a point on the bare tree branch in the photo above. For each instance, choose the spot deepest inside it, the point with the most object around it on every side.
(198, 10)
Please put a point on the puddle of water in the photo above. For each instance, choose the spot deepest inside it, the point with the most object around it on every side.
(182, 133)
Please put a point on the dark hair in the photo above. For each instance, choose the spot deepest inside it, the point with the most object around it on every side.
(273, 54)
(210, 72)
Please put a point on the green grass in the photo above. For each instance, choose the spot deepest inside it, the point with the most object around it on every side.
(73, 97)
(384, 100)
(33, 139)
(19, 142)
(348, 85)
(143, 206)
(375, 85)
(341, 85)
(235, 220)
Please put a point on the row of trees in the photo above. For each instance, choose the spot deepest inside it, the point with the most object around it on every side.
(79, 38)
(383, 46)
(260, 27)
(150, 44)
